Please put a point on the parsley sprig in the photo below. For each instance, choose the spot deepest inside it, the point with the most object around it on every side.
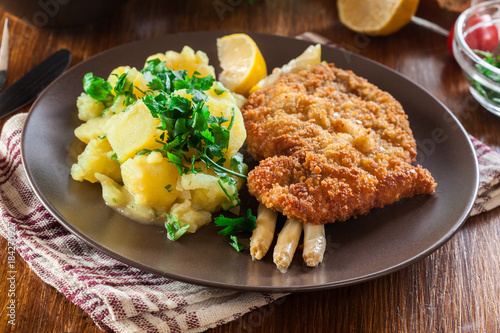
(234, 226)
(174, 229)
(102, 91)
(126, 88)
(485, 91)
(97, 88)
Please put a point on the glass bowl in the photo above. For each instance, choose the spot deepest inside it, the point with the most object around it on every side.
(470, 42)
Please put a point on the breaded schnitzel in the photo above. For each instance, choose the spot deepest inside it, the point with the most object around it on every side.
(332, 146)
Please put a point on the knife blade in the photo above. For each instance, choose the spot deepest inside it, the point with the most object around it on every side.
(4, 54)
(28, 87)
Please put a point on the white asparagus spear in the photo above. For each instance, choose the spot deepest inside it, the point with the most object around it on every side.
(287, 242)
(263, 234)
(314, 244)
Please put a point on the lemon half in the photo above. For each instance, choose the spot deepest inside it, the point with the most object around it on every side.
(380, 17)
(242, 63)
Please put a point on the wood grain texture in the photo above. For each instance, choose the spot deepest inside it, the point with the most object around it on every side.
(455, 289)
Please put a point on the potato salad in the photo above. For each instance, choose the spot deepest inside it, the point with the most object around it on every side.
(162, 141)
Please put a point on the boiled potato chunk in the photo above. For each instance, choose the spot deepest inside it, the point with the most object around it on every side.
(113, 193)
(133, 130)
(96, 158)
(139, 83)
(92, 129)
(187, 215)
(117, 106)
(134, 79)
(151, 180)
(88, 107)
(115, 74)
(224, 105)
(206, 193)
(187, 59)
(118, 197)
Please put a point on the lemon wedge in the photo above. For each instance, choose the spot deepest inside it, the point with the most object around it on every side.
(379, 18)
(241, 61)
(310, 57)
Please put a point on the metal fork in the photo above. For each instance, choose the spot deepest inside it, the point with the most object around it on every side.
(4, 54)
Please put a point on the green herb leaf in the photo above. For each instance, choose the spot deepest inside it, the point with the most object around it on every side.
(236, 164)
(176, 159)
(143, 152)
(490, 94)
(233, 199)
(179, 104)
(236, 225)
(235, 243)
(126, 88)
(220, 89)
(97, 88)
(114, 157)
(174, 229)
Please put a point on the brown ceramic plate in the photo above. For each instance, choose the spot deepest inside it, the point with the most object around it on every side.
(382, 242)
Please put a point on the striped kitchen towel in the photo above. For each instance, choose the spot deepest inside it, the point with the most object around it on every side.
(117, 297)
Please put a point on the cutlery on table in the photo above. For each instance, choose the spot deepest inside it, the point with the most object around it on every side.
(28, 87)
(430, 25)
(4, 54)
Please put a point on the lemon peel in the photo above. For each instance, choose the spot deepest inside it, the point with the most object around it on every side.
(242, 63)
(378, 18)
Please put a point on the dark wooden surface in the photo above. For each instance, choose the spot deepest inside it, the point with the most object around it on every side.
(455, 289)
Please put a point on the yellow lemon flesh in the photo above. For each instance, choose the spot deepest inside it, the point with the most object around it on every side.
(242, 63)
(378, 18)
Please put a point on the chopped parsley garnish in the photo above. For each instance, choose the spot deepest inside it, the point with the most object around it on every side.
(220, 89)
(234, 226)
(101, 90)
(190, 133)
(114, 157)
(235, 243)
(494, 61)
(174, 229)
(125, 88)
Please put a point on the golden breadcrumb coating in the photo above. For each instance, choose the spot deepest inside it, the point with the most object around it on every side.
(332, 146)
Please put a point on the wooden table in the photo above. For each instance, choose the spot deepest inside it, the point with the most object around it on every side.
(455, 289)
